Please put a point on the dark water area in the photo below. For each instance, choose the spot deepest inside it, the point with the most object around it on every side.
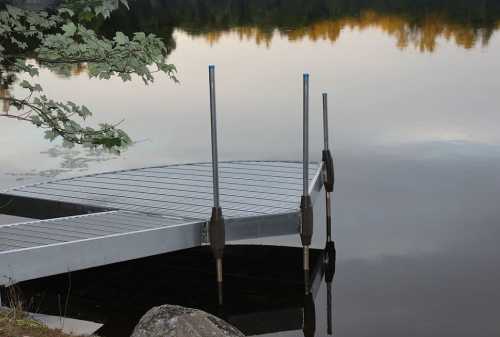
(263, 292)
(414, 116)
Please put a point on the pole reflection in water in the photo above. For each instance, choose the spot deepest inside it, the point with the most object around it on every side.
(309, 318)
(329, 258)
(263, 289)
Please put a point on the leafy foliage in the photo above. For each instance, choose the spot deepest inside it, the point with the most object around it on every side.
(87, 9)
(60, 40)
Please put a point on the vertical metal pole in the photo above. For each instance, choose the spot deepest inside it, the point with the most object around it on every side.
(325, 120)
(330, 253)
(305, 135)
(327, 169)
(213, 128)
(305, 154)
(328, 201)
(216, 225)
(306, 230)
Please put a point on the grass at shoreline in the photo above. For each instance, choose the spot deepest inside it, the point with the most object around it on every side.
(15, 323)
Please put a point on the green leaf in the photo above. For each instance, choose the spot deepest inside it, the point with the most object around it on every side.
(121, 38)
(67, 11)
(26, 85)
(69, 29)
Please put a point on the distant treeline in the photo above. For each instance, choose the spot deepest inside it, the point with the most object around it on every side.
(417, 22)
(209, 15)
(411, 22)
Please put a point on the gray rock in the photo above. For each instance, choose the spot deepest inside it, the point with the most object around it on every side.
(175, 321)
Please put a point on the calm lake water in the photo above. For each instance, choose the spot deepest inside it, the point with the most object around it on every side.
(414, 119)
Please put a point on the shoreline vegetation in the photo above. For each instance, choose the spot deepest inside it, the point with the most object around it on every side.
(16, 323)
(422, 26)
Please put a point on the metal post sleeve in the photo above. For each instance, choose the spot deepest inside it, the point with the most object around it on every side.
(217, 232)
(329, 170)
(306, 226)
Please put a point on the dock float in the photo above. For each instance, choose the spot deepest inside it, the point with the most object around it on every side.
(129, 214)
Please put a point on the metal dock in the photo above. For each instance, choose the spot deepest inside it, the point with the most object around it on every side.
(112, 217)
(143, 212)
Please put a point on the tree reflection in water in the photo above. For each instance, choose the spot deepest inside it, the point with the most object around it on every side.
(412, 24)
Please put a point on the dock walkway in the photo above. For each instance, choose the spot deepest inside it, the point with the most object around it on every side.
(129, 214)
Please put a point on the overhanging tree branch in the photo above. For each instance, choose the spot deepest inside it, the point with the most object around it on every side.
(60, 41)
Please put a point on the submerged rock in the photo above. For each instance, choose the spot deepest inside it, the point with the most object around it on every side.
(176, 321)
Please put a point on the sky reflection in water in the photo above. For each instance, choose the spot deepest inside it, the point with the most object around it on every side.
(415, 139)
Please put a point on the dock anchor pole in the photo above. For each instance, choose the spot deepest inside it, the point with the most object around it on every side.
(328, 170)
(216, 227)
(329, 180)
(306, 227)
(329, 268)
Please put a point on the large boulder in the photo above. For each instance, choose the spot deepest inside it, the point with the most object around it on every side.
(175, 321)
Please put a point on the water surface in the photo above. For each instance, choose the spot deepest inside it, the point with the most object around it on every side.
(414, 116)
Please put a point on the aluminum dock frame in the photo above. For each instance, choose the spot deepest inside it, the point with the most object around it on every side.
(111, 217)
(142, 212)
